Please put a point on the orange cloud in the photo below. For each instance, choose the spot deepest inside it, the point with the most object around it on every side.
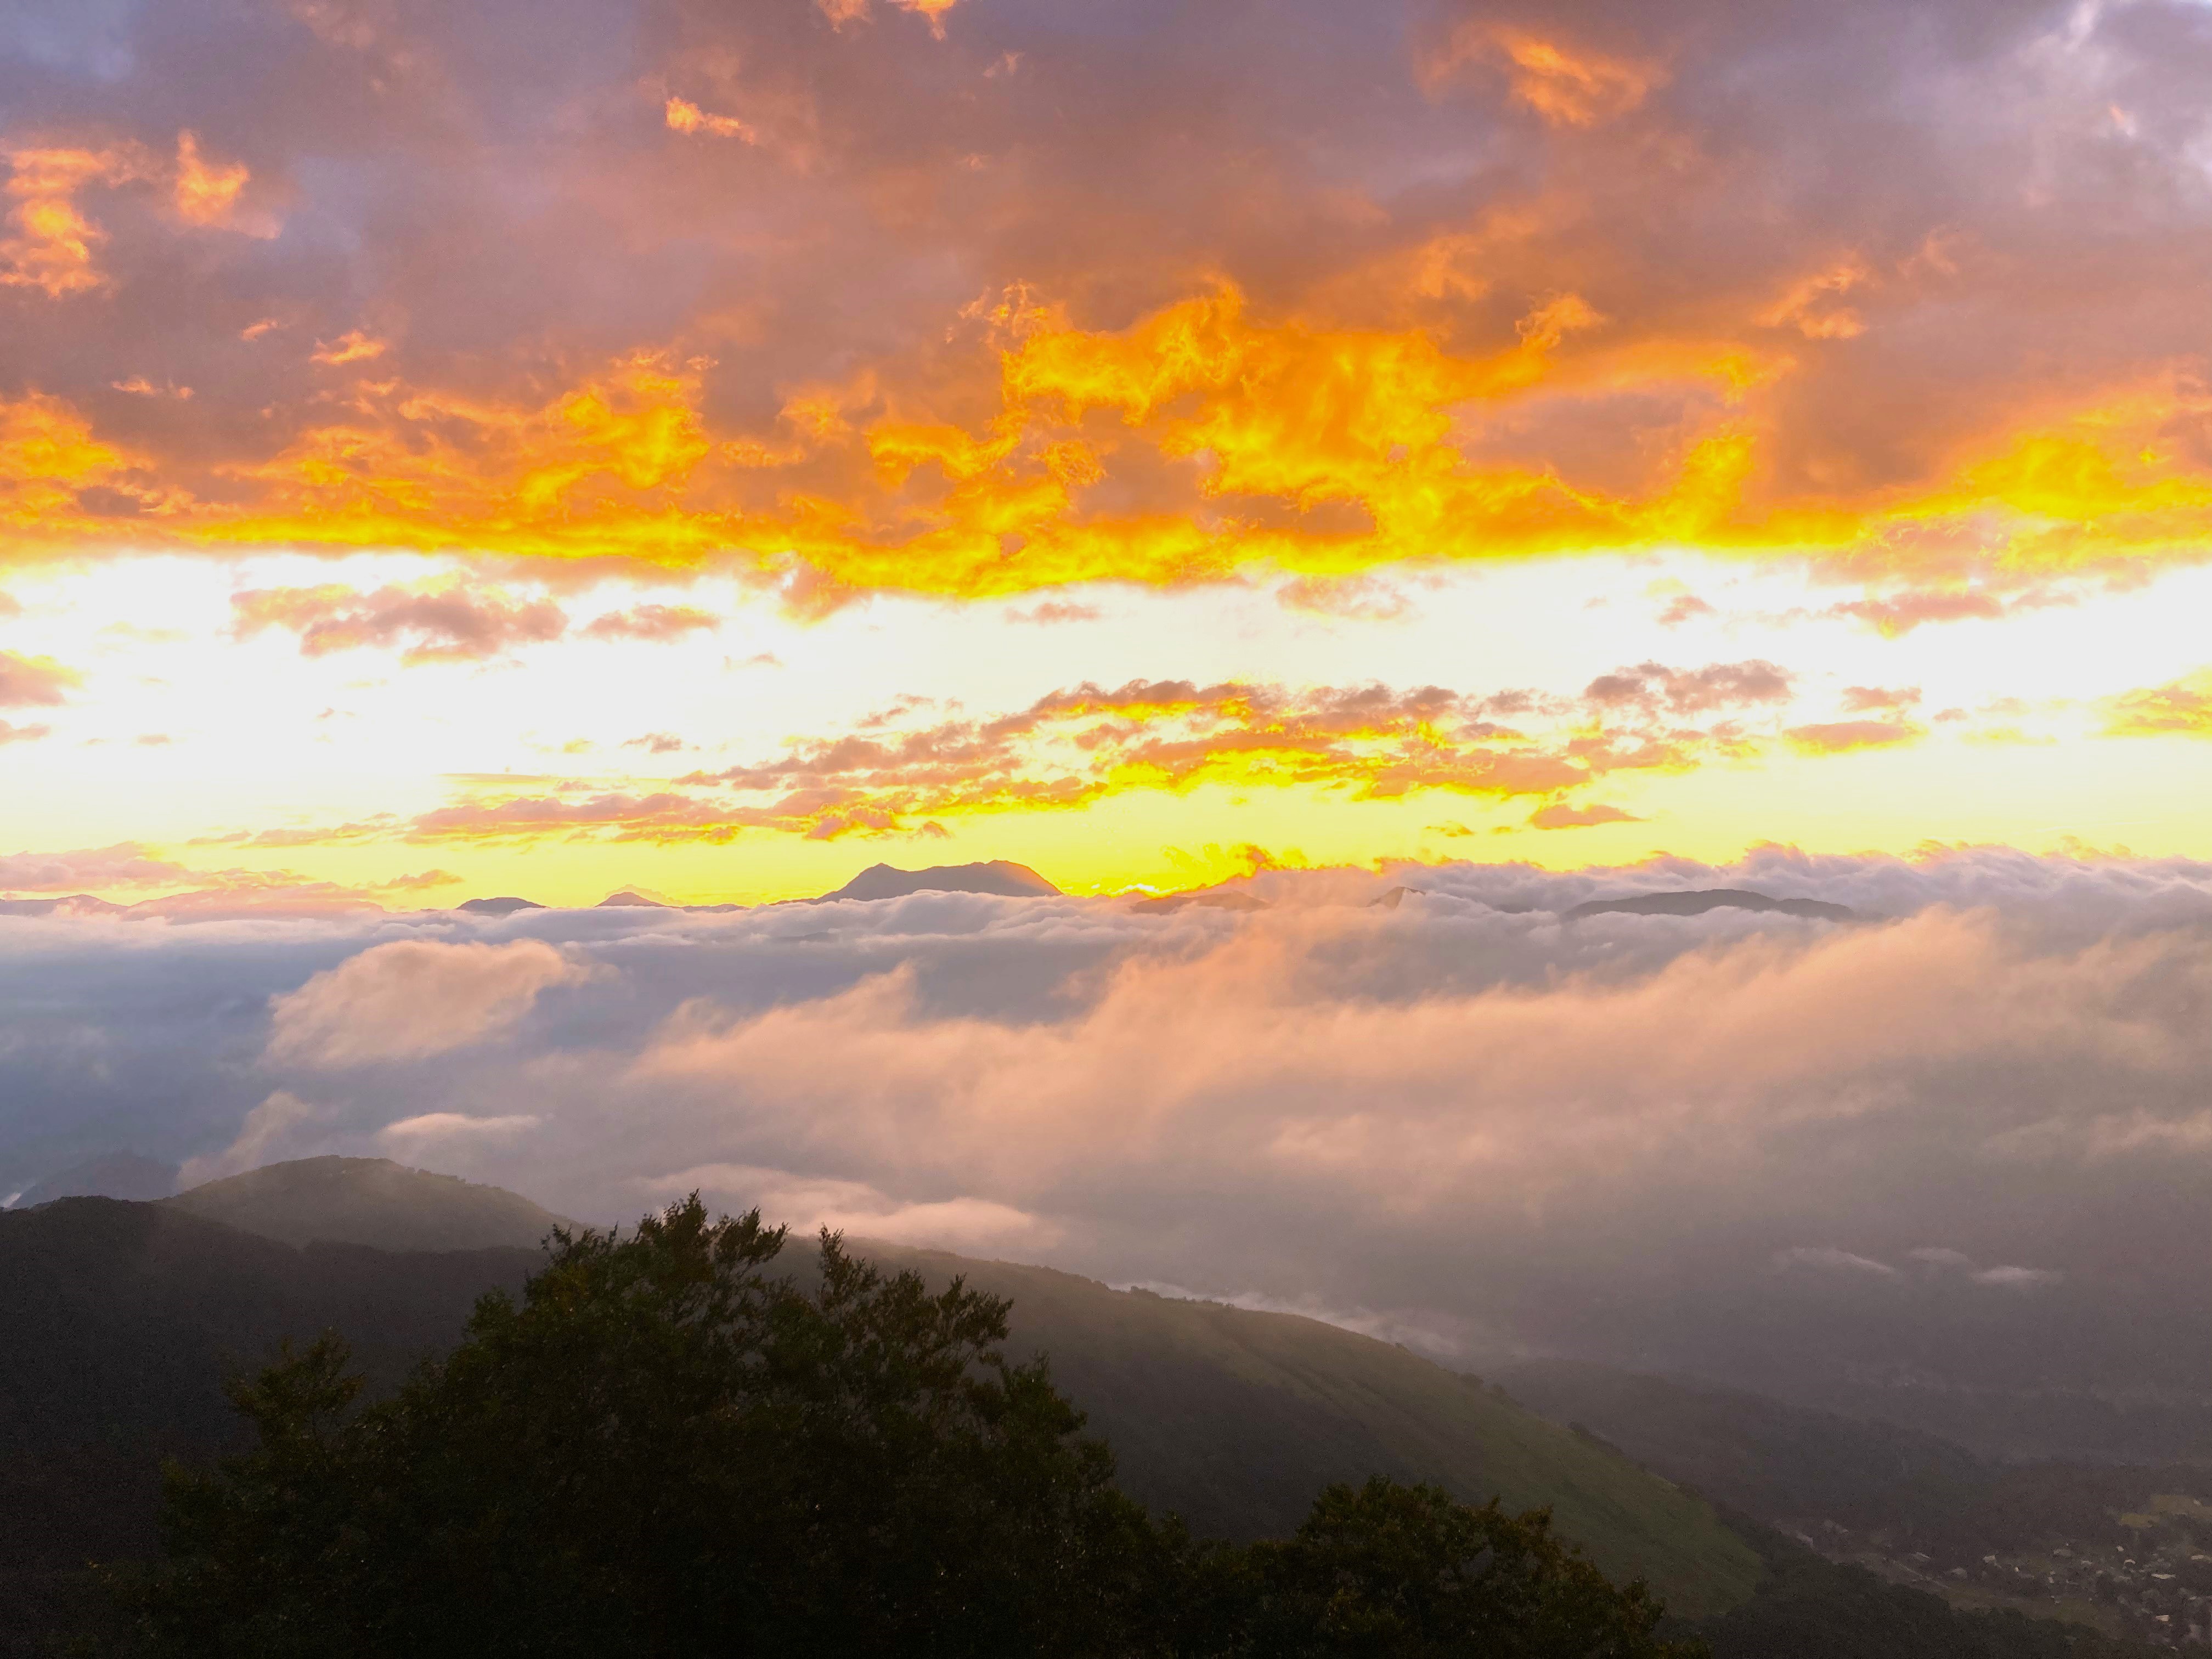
(1813, 307)
(1841, 737)
(901, 770)
(1559, 815)
(993, 342)
(1200, 441)
(54, 246)
(1894, 614)
(206, 192)
(685, 116)
(126, 864)
(932, 10)
(2182, 708)
(843, 12)
(47, 456)
(139, 386)
(651, 621)
(354, 346)
(1565, 87)
(432, 625)
(1869, 699)
(33, 682)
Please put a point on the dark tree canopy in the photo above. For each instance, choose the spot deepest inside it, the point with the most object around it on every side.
(661, 1450)
(1390, 1571)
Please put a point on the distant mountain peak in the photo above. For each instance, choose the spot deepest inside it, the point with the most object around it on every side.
(628, 900)
(1696, 900)
(1204, 898)
(72, 904)
(1000, 878)
(500, 907)
(111, 1175)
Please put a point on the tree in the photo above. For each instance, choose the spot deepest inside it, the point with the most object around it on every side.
(663, 1450)
(1391, 1571)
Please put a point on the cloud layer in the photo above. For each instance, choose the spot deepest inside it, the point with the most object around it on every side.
(1963, 1139)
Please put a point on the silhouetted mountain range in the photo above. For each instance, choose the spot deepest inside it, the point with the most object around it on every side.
(1006, 881)
(1206, 899)
(1697, 901)
(74, 904)
(498, 907)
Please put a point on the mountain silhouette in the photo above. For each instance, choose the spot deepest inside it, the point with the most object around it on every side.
(75, 904)
(1698, 900)
(111, 1175)
(999, 876)
(1204, 899)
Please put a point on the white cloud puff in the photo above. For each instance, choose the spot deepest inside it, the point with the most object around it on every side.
(263, 1138)
(429, 1127)
(414, 998)
(806, 1204)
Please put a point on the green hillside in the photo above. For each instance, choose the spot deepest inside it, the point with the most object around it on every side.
(1779, 1462)
(1235, 1419)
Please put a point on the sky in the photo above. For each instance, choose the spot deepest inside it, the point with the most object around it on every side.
(451, 451)
(1519, 454)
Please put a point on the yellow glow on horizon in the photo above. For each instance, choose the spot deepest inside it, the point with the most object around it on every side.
(1895, 801)
(262, 722)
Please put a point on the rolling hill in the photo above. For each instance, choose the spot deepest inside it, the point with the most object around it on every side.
(1235, 1419)
(1779, 1462)
(372, 1202)
(1808, 1470)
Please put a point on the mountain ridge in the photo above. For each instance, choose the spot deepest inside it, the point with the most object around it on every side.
(370, 1201)
(1696, 901)
(1000, 878)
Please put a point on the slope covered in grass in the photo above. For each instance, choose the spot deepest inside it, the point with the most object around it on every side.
(1235, 1418)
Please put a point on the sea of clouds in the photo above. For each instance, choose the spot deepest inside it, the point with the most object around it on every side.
(1962, 1144)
